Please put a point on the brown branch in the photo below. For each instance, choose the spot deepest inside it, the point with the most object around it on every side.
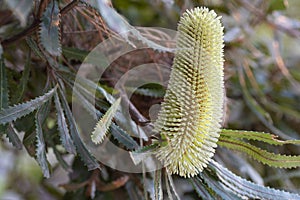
(35, 25)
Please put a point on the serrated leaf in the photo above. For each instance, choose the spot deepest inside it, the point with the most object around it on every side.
(158, 190)
(40, 145)
(13, 137)
(85, 155)
(20, 110)
(63, 127)
(117, 132)
(104, 123)
(245, 188)
(258, 136)
(271, 159)
(50, 29)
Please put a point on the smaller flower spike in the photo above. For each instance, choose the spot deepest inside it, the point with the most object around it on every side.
(189, 121)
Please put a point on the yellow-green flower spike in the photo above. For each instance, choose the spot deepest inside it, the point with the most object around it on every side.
(190, 117)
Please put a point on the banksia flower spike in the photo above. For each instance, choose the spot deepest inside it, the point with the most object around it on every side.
(189, 121)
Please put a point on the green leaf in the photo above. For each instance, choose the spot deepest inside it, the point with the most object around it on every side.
(20, 110)
(40, 145)
(3, 92)
(50, 29)
(74, 53)
(258, 136)
(21, 9)
(271, 159)
(118, 24)
(158, 190)
(104, 123)
(117, 132)
(60, 159)
(63, 127)
(33, 46)
(201, 188)
(246, 189)
(3, 86)
(23, 83)
(85, 155)
(257, 109)
(13, 137)
(276, 5)
(170, 179)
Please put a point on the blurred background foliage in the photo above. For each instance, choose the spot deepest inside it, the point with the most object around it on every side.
(262, 74)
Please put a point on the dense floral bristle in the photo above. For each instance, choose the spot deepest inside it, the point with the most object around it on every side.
(190, 117)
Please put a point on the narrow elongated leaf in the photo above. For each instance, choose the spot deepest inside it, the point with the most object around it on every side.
(74, 53)
(20, 110)
(271, 159)
(258, 136)
(13, 137)
(41, 146)
(63, 127)
(258, 110)
(245, 188)
(85, 155)
(119, 25)
(3, 92)
(158, 190)
(170, 179)
(118, 133)
(104, 123)
(60, 159)
(50, 29)
(23, 83)
(3, 86)
(202, 189)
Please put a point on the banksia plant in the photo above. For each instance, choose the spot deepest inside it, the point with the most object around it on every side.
(190, 116)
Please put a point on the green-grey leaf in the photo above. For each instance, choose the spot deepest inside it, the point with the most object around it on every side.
(85, 155)
(21, 9)
(271, 159)
(63, 127)
(104, 123)
(258, 136)
(40, 145)
(3, 92)
(13, 137)
(3, 86)
(74, 53)
(158, 191)
(118, 133)
(245, 188)
(50, 29)
(20, 110)
(23, 83)
(201, 188)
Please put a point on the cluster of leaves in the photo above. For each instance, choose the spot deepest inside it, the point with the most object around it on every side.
(47, 40)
